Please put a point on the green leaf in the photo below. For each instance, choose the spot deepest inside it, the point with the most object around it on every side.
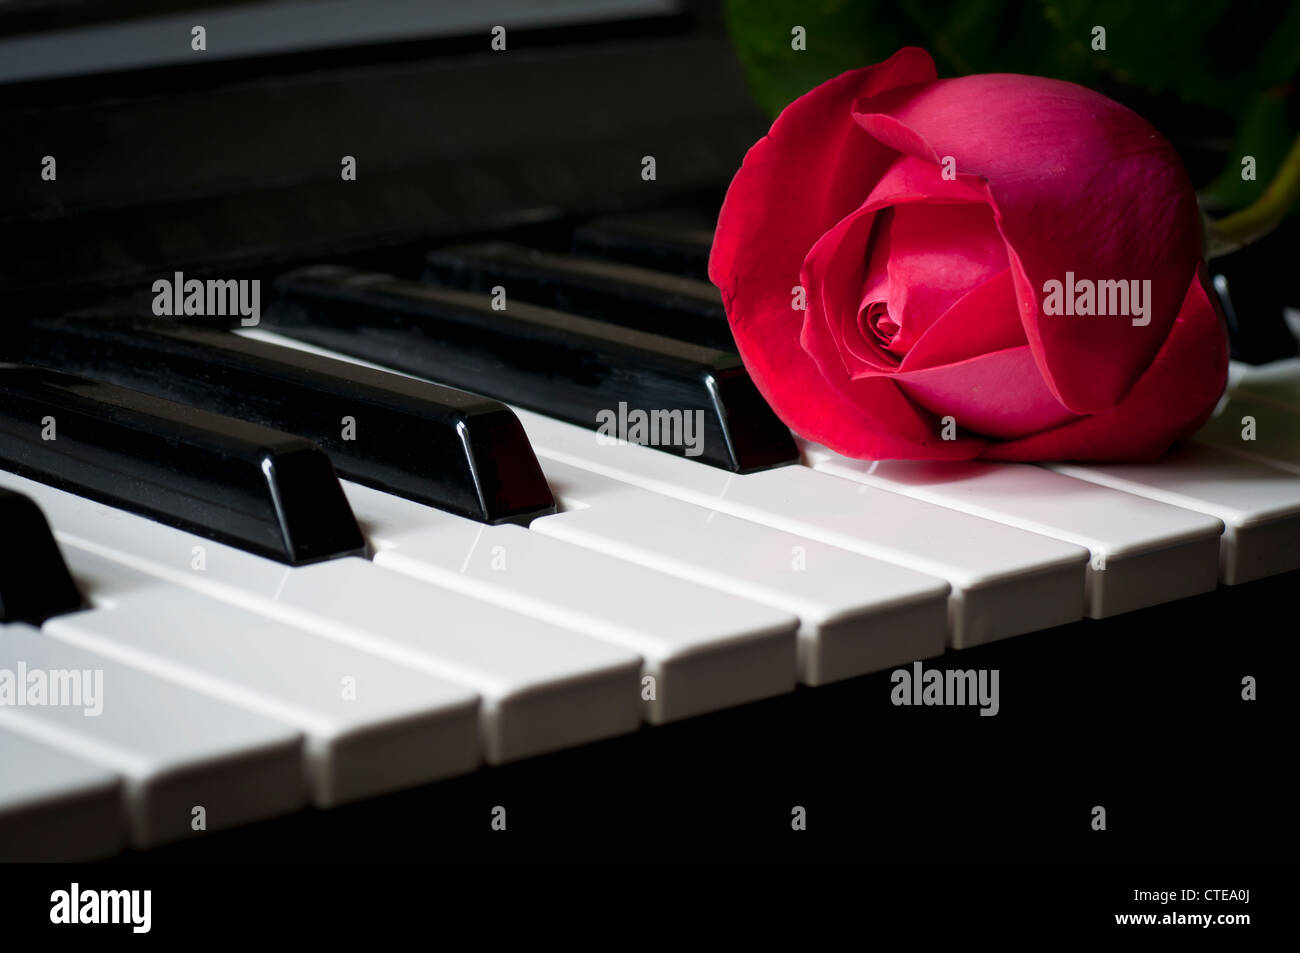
(964, 36)
(1266, 132)
(1214, 53)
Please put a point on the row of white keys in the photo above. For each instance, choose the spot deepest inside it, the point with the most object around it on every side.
(189, 761)
(55, 806)
(1143, 552)
(1005, 581)
(856, 614)
(1258, 504)
(542, 687)
(1242, 471)
(369, 725)
(703, 649)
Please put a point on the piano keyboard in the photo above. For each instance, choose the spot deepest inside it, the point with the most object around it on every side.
(241, 632)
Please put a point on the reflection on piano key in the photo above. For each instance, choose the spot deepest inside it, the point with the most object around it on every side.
(433, 444)
(1259, 505)
(262, 490)
(543, 686)
(682, 308)
(186, 757)
(574, 368)
(856, 614)
(678, 243)
(1143, 552)
(111, 38)
(369, 725)
(55, 807)
(704, 649)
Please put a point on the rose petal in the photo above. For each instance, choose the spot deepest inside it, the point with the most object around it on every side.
(805, 175)
(836, 267)
(937, 254)
(1171, 400)
(875, 297)
(913, 179)
(1000, 395)
(982, 321)
(1069, 172)
(830, 333)
(875, 287)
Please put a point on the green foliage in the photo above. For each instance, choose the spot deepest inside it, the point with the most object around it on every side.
(964, 36)
(1232, 58)
(1213, 53)
(1265, 133)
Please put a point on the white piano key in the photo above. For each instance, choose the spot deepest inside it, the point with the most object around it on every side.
(856, 614)
(1143, 552)
(56, 807)
(1278, 381)
(705, 649)
(543, 687)
(1256, 428)
(1005, 581)
(1258, 504)
(369, 725)
(178, 750)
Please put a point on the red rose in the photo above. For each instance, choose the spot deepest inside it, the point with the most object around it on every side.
(1018, 254)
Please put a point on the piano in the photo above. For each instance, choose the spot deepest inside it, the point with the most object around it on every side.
(380, 482)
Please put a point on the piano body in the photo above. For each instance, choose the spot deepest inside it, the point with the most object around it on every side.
(353, 574)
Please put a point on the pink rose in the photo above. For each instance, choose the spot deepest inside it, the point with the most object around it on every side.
(949, 239)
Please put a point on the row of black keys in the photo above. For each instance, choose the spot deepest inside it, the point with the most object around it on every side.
(170, 419)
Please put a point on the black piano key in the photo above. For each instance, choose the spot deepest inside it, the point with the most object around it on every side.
(571, 368)
(435, 445)
(34, 581)
(1254, 300)
(633, 297)
(675, 243)
(264, 491)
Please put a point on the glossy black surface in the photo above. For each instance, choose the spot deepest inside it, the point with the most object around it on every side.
(627, 295)
(568, 367)
(435, 445)
(675, 242)
(264, 491)
(230, 168)
(34, 582)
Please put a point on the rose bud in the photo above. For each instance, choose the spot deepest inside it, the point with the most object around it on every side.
(994, 266)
